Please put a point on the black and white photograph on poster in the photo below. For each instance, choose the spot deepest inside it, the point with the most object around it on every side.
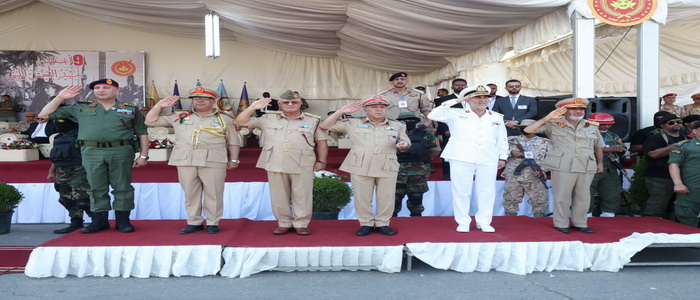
(31, 78)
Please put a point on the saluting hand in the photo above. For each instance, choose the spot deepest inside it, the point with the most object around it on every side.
(69, 92)
(260, 103)
(350, 108)
(556, 114)
(168, 102)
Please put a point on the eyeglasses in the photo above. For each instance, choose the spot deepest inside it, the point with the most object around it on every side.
(290, 102)
(513, 86)
(201, 99)
(674, 122)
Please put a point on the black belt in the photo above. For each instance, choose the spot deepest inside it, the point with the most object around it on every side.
(105, 144)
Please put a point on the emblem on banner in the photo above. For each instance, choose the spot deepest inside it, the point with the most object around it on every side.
(623, 12)
(123, 68)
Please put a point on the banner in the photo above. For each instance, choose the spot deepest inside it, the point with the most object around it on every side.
(32, 77)
(223, 101)
(178, 103)
(154, 96)
(244, 102)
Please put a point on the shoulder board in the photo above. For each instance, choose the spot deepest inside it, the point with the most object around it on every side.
(273, 112)
(312, 115)
(594, 123)
(682, 142)
(554, 121)
(129, 104)
(500, 114)
(228, 114)
(86, 101)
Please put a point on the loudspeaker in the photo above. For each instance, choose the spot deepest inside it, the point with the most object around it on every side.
(619, 108)
(545, 105)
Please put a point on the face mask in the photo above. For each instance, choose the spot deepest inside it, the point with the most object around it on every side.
(411, 125)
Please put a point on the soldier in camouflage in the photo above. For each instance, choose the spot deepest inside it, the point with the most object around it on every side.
(69, 175)
(527, 180)
(415, 165)
(608, 184)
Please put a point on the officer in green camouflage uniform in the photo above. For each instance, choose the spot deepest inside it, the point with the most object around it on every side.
(684, 167)
(107, 128)
(69, 175)
(415, 165)
(608, 184)
(527, 181)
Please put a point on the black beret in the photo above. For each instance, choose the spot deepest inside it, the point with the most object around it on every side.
(399, 74)
(691, 118)
(696, 125)
(106, 81)
(667, 118)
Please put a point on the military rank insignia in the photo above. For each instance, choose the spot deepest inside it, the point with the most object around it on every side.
(676, 151)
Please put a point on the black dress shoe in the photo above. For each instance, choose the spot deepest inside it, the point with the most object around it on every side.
(385, 230)
(364, 230)
(562, 229)
(191, 229)
(213, 229)
(583, 229)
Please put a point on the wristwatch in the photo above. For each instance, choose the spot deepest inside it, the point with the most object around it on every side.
(235, 161)
(144, 157)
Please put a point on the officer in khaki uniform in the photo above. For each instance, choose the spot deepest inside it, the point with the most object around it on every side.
(575, 157)
(290, 137)
(204, 135)
(401, 98)
(106, 131)
(372, 160)
(684, 167)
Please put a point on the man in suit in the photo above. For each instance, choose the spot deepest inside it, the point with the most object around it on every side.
(515, 107)
(457, 86)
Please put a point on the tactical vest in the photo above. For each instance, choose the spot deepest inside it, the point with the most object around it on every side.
(419, 148)
(66, 151)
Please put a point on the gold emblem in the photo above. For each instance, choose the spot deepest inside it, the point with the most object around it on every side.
(199, 89)
(578, 101)
(109, 81)
(623, 12)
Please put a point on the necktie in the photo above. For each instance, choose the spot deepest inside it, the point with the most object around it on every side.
(512, 101)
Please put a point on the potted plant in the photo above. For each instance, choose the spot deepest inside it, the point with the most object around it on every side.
(160, 149)
(331, 194)
(10, 197)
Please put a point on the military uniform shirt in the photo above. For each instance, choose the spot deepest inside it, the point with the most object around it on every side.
(674, 109)
(210, 149)
(687, 155)
(539, 147)
(690, 109)
(417, 103)
(373, 151)
(573, 149)
(288, 142)
(611, 139)
(8, 113)
(98, 124)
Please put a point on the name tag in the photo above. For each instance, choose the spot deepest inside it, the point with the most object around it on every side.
(403, 104)
(522, 106)
(362, 126)
(88, 110)
(529, 155)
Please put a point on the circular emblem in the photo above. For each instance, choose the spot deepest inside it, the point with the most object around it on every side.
(198, 89)
(578, 101)
(123, 68)
(623, 12)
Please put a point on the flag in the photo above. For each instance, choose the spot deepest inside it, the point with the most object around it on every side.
(176, 92)
(223, 102)
(154, 96)
(244, 102)
(196, 85)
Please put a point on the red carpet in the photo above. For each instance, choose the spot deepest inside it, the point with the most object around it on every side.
(247, 233)
(157, 171)
(14, 258)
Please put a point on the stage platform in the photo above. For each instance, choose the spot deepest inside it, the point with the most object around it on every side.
(520, 245)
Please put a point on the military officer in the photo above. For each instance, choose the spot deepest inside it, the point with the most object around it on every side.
(478, 148)
(575, 157)
(607, 184)
(8, 109)
(289, 139)
(204, 135)
(68, 174)
(684, 166)
(415, 165)
(372, 160)
(106, 131)
(668, 103)
(692, 108)
(401, 98)
(521, 176)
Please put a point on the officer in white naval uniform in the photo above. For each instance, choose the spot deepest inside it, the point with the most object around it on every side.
(478, 147)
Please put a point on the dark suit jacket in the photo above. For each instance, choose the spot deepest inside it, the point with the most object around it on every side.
(48, 130)
(442, 127)
(525, 108)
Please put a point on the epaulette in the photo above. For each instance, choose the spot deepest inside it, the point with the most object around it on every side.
(129, 104)
(273, 112)
(682, 142)
(312, 115)
(86, 101)
(500, 114)
(228, 114)
(594, 123)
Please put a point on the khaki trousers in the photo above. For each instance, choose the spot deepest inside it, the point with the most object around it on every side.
(571, 190)
(363, 189)
(294, 189)
(210, 180)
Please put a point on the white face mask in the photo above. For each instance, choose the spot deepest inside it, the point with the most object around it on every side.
(572, 118)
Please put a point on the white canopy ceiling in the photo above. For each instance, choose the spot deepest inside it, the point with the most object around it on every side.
(413, 36)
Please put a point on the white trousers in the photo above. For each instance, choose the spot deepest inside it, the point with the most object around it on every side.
(482, 179)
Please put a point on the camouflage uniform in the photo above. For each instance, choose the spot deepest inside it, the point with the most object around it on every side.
(526, 183)
(413, 175)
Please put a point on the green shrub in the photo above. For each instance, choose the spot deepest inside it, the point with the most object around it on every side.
(330, 194)
(10, 197)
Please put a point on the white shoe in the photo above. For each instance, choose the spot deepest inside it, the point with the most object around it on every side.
(486, 228)
(463, 228)
(607, 214)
